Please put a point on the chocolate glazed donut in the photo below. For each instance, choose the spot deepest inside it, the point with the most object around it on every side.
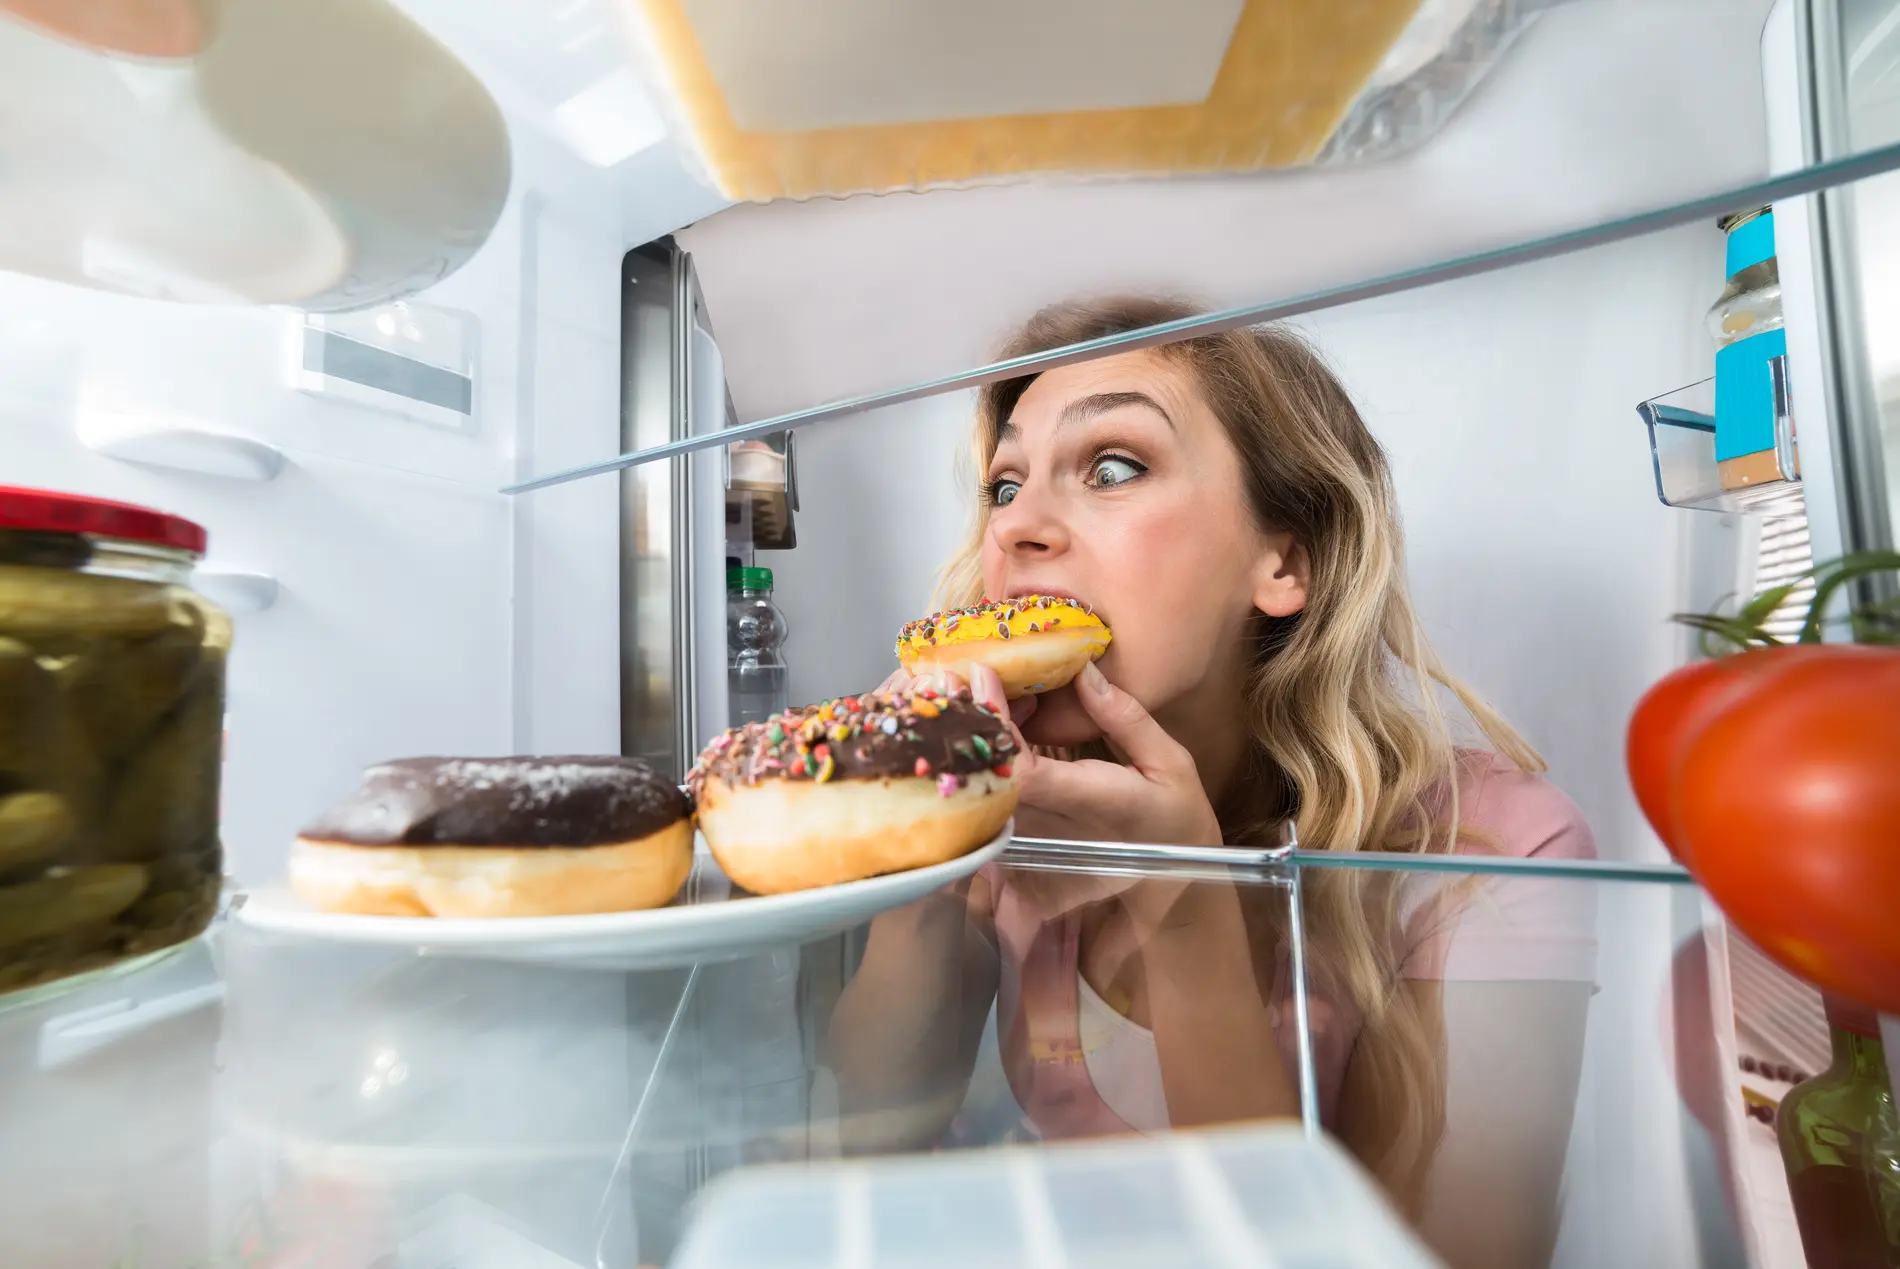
(498, 837)
(853, 788)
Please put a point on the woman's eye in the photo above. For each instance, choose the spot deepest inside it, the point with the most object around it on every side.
(1003, 492)
(1109, 472)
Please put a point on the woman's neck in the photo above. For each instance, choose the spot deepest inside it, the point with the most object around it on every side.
(1208, 723)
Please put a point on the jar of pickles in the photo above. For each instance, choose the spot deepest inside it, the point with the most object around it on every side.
(111, 736)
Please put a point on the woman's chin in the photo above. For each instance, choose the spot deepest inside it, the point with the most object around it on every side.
(1060, 722)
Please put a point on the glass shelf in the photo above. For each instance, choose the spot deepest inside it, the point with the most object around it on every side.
(1703, 209)
(1556, 1031)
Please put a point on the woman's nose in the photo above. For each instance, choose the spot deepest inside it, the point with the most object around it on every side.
(1030, 525)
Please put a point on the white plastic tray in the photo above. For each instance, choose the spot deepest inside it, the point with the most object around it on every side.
(1255, 1198)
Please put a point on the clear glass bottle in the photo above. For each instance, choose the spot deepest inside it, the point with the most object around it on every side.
(1751, 302)
(1838, 1133)
(755, 647)
(1746, 322)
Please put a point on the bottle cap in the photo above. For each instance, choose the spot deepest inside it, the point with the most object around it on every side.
(748, 579)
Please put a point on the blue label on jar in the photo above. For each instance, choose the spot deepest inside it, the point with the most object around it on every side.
(1745, 395)
(1751, 243)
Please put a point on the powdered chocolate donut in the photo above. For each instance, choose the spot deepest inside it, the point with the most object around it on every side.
(854, 788)
(498, 837)
(1035, 643)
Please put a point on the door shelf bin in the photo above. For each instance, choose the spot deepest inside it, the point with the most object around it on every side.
(1681, 428)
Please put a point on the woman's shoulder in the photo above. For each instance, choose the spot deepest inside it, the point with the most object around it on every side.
(1517, 812)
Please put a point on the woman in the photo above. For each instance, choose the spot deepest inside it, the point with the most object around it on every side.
(1222, 505)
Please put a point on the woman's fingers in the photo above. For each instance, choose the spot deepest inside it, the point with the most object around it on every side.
(1022, 709)
(986, 685)
(898, 682)
(1082, 792)
(1128, 726)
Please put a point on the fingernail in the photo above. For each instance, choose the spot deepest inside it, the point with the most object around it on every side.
(1093, 678)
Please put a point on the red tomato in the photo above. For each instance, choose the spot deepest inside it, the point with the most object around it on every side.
(1788, 804)
(1675, 709)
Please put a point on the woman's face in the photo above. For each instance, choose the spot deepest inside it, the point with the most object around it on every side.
(1113, 483)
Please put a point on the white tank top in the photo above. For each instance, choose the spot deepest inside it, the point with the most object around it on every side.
(1122, 1061)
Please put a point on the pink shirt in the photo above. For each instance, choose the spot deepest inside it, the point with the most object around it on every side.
(1077, 1069)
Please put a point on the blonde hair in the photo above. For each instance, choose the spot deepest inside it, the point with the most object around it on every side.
(1342, 700)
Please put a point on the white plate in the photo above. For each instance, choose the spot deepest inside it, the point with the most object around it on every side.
(706, 923)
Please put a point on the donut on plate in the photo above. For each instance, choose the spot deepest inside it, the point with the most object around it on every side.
(853, 788)
(1035, 643)
(498, 837)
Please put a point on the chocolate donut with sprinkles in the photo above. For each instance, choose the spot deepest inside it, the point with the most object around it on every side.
(853, 788)
(1035, 643)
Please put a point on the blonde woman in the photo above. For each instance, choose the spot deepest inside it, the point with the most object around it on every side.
(1220, 502)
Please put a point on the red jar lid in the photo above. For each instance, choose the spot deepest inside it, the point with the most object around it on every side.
(43, 511)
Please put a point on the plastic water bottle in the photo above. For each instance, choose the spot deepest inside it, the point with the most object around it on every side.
(755, 646)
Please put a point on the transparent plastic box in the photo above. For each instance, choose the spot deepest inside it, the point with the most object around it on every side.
(1682, 452)
(1251, 1197)
(847, 97)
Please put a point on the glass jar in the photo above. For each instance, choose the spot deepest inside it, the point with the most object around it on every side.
(1838, 1134)
(111, 736)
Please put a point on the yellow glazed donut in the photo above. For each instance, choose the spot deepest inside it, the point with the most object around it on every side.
(855, 787)
(1035, 643)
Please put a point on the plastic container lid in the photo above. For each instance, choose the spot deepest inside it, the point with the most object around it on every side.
(43, 511)
(1254, 1198)
(748, 579)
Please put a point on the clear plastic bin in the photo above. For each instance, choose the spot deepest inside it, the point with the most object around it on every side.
(1248, 1197)
(1682, 451)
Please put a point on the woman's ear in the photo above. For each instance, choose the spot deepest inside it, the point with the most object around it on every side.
(1280, 581)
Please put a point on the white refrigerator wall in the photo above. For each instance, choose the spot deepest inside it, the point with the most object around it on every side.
(1542, 561)
(419, 611)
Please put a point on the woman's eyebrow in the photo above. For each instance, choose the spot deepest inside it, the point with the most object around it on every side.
(1083, 409)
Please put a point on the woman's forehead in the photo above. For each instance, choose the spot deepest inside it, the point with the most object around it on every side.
(1124, 377)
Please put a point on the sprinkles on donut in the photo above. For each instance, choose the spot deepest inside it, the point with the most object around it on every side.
(855, 787)
(1035, 643)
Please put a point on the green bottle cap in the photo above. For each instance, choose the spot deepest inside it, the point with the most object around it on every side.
(748, 579)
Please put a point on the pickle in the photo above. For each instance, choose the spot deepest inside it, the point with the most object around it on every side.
(26, 693)
(56, 612)
(218, 629)
(32, 826)
(41, 746)
(111, 738)
(66, 900)
(165, 799)
(119, 691)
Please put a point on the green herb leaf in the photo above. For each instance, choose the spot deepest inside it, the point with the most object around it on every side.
(1875, 622)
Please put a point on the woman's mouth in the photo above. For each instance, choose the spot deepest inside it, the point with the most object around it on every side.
(1053, 592)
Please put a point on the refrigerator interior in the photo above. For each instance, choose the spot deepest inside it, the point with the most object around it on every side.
(413, 608)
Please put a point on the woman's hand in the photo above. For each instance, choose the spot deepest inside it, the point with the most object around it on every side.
(1155, 797)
